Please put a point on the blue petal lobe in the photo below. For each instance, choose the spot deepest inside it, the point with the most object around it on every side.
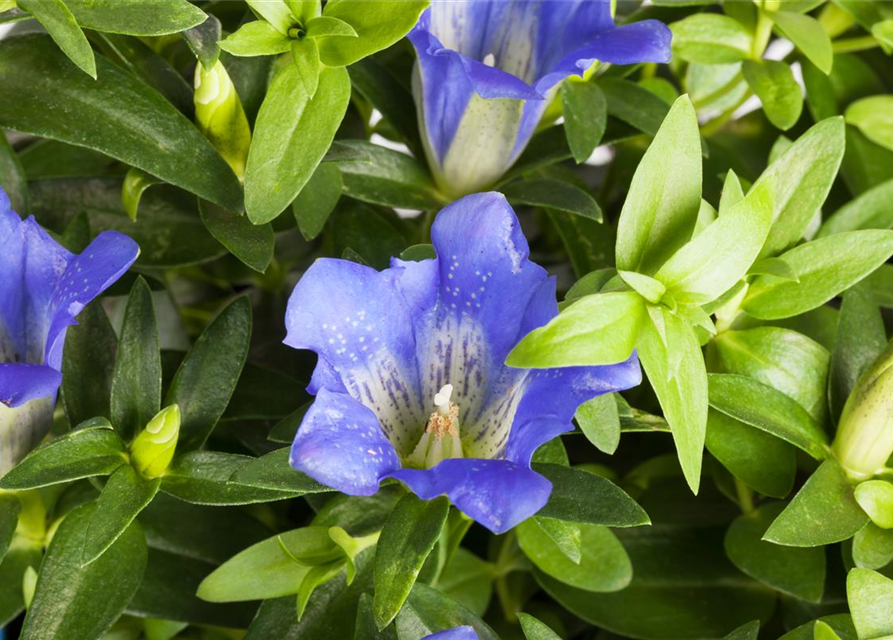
(20, 383)
(340, 444)
(457, 633)
(496, 493)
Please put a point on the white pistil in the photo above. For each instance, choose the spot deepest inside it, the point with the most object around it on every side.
(489, 60)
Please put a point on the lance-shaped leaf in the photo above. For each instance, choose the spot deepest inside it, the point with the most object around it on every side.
(9, 519)
(60, 23)
(661, 208)
(585, 116)
(583, 497)
(143, 18)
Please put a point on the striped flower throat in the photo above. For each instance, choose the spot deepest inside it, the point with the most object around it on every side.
(441, 439)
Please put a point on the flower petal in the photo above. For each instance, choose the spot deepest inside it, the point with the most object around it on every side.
(20, 383)
(457, 633)
(355, 319)
(340, 444)
(496, 493)
(12, 266)
(86, 276)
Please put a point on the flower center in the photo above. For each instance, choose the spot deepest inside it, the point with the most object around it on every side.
(441, 438)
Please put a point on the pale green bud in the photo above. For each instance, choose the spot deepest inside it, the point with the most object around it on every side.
(220, 116)
(153, 449)
(864, 439)
(29, 583)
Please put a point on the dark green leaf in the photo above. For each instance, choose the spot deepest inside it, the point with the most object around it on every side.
(634, 105)
(12, 176)
(252, 244)
(88, 365)
(60, 23)
(203, 39)
(428, 610)
(317, 199)
(142, 18)
(553, 194)
(585, 111)
(274, 472)
(387, 94)
(536, 630)
(9, 519)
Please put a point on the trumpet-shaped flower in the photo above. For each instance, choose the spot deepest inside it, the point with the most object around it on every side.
(487, 70)
(410, 382)
(42, 288)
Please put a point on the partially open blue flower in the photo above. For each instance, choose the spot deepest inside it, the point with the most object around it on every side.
(487, 70)
(411, 384)
(42, 288)
(456, 633)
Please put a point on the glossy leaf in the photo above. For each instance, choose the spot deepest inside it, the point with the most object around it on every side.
(582, 497)
(778, 91)
(553, 194)
(252, 244)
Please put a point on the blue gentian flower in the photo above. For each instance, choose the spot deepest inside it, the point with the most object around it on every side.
(456, 633)
(42, 288)
(410, 382)
(487, 70)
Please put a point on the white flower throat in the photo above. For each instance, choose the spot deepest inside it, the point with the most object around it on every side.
(441, 438)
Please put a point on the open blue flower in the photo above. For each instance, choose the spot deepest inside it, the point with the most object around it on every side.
(487, 70)
(42, 288)
(411, 384)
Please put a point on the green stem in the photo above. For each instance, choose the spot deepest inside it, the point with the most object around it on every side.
(761, 36)
(850, 45)
(745, 496)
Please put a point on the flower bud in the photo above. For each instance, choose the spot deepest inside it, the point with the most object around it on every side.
(153, 449)
(864, 439)
(220, 116)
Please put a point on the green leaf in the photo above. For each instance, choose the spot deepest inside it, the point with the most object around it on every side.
(769, 410)
(825, 267)
(861, 339)
(428, 610)
(12, 176)
(252, 244)
(604, 565)
(824, 631)
(774, 267)
(43, 95)
(711, 263)
(801, 180)
(276, 12)
(683, 587)
(662, 204)
(870, 596)
(672, 358)
(406, 540)
(389, 178)
(553, 194)
(305, 56)
(136, 384)
(785, 360)
(599, 421)
(799, 572)
(710, 38)
(143, 18)
(566, 537)
(123, 497)
(204, 39)
(595, 330)
(205, 478)
(81, 602)
(317, 199)
(273, 471)
(826, 502)
(468, 580)
(774, 84)
(268, 569)
(19, 558)
(869, 210)
(808, 35)
(327, 27)
(872, 117)
(633, 104)
(872, 547)
(258, 38)
(60, 23)
(760, 460)
(876, 499)
(585, 112)
(208, 375)
(377, 26)
(135, 184)
(583, 497)
(391, 97)
(291, 136)
(534, 629)
(9, 519)
(83, 453)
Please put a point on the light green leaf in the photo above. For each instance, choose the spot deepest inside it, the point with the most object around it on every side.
(585, 117)
(774, 84)
(258, 38)
(327, 27)
(553, 194)
(824, 631)
(291, 136)
(768, 409)
(870, 596)
(801, 180)
(872, 547)
(276, 12)
(406, 540)
(824, 511)
(63, 28)
(825, 267)
(534, 629)
(799, 572)
(710, 38)
(732, 193)
(597, 329)
(719, 256)
(808, 35)
(876, 499)
(599, 421)
(317, 199)
(869, 210)
(305, 55)
(662, 204)
(304, 10)
(647, 287)
(672, 358)
(874, 118)
(140, 18)
(378, 25)
(135, 184)
(566, 536)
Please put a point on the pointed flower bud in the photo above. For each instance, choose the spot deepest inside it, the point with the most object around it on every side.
(220, 116)
(864, 439)
(153, 449)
